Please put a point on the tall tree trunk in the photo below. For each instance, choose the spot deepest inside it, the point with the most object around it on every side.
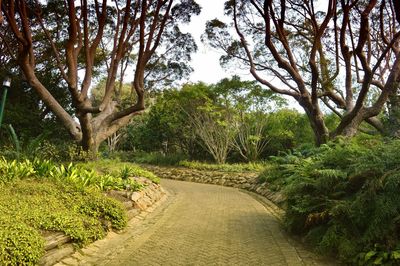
(393, 128)
(89, 143)
(316, 118)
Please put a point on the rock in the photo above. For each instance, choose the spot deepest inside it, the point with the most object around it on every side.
(136, 196)
(55, 239)
(56, 254)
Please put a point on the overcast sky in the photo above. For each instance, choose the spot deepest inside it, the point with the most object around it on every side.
(206, 61)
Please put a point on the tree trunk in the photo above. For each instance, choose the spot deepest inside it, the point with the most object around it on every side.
(393, 128)
(90, 146)
(316, 118)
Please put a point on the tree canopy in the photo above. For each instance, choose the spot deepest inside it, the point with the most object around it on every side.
(86, 39)
(339, 55)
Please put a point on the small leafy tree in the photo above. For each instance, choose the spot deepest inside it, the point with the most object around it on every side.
(251, 139)
(216, 128)
(202, 120)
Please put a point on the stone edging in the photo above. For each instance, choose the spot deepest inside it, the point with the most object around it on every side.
(244, 180)
(59, 246)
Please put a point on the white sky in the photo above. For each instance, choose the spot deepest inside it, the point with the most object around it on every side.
(206, 61)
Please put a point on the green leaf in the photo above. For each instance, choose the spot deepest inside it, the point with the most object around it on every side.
(370, 255)
(395, 255)
(378, 261)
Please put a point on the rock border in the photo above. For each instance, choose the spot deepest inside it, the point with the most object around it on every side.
(242, 180)
(59, 246)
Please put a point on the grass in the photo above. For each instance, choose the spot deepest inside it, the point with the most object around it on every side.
(242, 167)
(156, 158)
(119, 169)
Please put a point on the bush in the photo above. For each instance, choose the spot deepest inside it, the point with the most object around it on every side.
(343, 197)
(20, 244)
(157, 158)
(30, 206)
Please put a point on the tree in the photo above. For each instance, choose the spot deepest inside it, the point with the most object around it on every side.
(251, 139)
(94, 35)
(287, 129)
(308, 51)
(249, 105)
(22, 99)
(215, 127)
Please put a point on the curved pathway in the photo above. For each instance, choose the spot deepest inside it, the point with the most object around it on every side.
(200, 225)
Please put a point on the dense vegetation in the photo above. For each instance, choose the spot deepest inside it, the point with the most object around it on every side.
(343, 198)
(231, 120)
(39, 196)
(69, 65)
(30, 206)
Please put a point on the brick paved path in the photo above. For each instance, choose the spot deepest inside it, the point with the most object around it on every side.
(200, 225)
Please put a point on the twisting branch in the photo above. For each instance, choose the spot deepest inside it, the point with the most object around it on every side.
(251, 61)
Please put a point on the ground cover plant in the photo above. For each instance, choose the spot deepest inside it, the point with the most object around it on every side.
(29, 206)
(156, 158)
(119, 169)
(237, 167)
(37, 196)
(343, 198)
(77, 175)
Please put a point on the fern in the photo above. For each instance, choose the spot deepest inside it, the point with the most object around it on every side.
(343, 197)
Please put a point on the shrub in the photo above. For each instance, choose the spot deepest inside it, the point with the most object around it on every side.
(19, 243)
(343, 197)
(40, 195)
(72, 174)
(30, 206)
(157, 158)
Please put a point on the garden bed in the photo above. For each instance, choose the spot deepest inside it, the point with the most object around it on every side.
(48, 209)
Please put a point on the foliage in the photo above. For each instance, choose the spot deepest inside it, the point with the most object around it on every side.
(19, 243)
(287, 129)
(251, 139)
(44, 147)
(53, 62)
(40, 195)
(264, 36)
(23, 100)
(215, 128)
(120, 170)
(343, 197)
(72, 174)
(30, 206)
(248, 167)
(157, 158)
(202, 120)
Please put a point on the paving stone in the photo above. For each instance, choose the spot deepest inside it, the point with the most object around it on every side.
(70, 261)
(204, 225)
